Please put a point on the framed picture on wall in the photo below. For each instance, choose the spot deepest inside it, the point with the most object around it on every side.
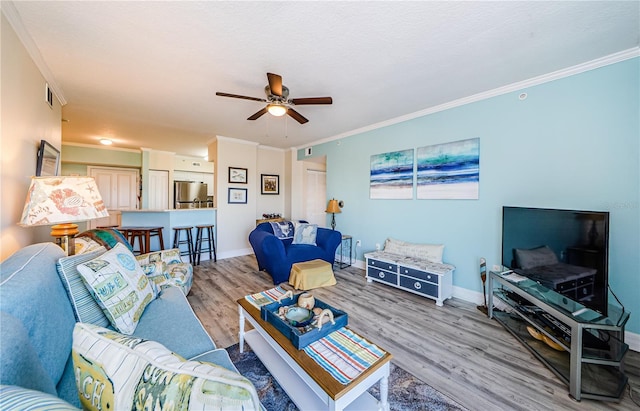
(48, 162)
(237, 196)
(237, 175)
(270, 184)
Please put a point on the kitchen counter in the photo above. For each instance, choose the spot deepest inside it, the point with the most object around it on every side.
(169, 219)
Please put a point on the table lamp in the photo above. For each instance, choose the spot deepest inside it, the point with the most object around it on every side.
(63, 201)
(333, 208)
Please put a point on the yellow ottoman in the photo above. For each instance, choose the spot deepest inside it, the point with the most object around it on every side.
(311, 274)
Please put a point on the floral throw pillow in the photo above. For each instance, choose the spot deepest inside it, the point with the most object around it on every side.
(119, 286)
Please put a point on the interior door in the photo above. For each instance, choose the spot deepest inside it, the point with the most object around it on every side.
(119, 190)
(159, 190)
(316, 197)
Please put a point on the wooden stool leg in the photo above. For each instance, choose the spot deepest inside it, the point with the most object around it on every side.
(161, 239)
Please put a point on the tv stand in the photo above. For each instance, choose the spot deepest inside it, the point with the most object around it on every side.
(592, 347)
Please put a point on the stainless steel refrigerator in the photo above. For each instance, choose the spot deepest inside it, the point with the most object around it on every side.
(190, 194)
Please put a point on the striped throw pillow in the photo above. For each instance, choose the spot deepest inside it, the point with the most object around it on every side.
(85, 307)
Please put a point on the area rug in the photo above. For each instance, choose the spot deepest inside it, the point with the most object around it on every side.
(406, 392)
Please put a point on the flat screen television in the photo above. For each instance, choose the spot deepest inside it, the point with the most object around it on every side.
(565, 250)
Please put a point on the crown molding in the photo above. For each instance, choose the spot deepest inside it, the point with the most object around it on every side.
(11, 13)
(535, 81)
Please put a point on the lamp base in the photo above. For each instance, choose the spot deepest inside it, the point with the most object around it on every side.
(64, 236)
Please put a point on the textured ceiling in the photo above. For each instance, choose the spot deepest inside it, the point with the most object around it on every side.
(145, 73)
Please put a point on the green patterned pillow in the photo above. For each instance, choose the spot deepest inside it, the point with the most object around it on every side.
(119, 286)
(116, 372)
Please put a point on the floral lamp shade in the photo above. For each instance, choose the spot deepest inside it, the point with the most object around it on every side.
(62, 199)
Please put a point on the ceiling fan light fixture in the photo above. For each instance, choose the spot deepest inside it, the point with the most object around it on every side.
(277, 110)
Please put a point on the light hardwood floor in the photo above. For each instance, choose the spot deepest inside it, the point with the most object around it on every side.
(455, 349)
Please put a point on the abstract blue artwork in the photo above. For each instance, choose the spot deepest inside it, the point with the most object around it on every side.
(449, 171)
(392, 175)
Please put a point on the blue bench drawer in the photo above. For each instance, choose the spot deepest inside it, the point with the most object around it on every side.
(432, 278)
(381, 275)
(383, 265)
(421, 287)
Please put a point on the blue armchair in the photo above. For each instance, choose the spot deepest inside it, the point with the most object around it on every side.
(276, 256)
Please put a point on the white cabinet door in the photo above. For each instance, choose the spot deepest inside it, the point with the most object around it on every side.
(118, 186)
(159, 190)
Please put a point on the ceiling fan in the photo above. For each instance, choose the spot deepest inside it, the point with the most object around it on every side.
(278, 102)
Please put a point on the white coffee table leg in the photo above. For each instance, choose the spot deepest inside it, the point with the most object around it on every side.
(241, 333)
(384, 391)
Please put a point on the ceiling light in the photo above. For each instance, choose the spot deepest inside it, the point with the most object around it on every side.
(106, 141)
(277, 110)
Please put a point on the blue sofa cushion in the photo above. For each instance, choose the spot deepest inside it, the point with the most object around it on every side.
(85, 307)
(31, 292)
(20, 363)
(170, 320)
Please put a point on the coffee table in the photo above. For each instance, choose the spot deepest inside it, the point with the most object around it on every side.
(309, 385)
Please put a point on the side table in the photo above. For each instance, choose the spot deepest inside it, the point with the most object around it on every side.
(345, 253)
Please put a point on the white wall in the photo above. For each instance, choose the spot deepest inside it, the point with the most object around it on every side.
(270, 161)
(234, 221)
(25, 119)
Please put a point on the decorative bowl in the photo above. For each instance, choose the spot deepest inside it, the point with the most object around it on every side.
(299, 317)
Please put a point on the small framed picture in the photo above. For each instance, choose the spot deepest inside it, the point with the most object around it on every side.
(237, 175)
(270, 184)
(237, 196)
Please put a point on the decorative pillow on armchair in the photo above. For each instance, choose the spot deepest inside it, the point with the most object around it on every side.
(116, 372)
(282, 230)
(119, 286)
(305, 234)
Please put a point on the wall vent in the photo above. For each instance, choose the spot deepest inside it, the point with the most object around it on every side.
(48, 95)
(195, 164)
(307, 151)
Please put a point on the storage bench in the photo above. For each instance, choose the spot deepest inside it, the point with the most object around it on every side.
(419, 276)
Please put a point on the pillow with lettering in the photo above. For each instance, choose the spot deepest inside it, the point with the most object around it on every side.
(119, 286)
(117, 372)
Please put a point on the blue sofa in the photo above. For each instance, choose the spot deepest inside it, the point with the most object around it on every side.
(276, 256)
(37, 320)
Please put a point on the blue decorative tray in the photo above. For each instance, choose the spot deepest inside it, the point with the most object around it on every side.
(298, 336)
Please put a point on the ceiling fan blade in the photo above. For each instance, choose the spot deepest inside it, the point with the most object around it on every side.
(296, 116)
(312, 100)
(239, 96)
(275, 84)
(258, 114)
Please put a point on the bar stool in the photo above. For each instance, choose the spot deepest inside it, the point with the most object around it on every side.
(143, 235)
(189, 241)
(209, 239)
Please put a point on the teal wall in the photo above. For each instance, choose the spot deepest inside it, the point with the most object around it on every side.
(101, 156)
(572, 144)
